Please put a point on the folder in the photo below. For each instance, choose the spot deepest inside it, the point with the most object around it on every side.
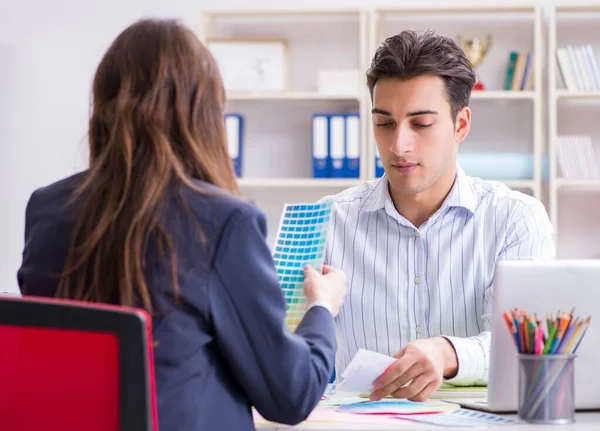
(337, 145)
(320, 145)
(352, 165)
(378, 165)
(234, 129)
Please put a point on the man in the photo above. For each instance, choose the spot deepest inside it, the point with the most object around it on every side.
(419, 246)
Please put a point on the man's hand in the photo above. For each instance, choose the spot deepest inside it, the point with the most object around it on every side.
(423, 364)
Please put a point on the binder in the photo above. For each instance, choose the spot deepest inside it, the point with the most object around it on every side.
(352, 162)
(320, 145)
(234, 129)
(337, 145)
(378, 165)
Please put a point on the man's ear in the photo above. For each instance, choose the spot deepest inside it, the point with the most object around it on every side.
(463, 124)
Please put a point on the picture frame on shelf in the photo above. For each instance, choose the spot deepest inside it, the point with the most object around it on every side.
(252, 65)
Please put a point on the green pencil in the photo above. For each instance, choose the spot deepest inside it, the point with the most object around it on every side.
(550, 338)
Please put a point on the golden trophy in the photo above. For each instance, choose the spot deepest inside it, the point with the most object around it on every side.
(475, 49)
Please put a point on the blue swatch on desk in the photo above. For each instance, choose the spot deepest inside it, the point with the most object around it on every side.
(395, 407)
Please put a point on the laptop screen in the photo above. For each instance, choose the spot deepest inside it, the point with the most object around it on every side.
(58, 379)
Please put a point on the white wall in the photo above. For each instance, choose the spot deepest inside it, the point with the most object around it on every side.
(48, 54)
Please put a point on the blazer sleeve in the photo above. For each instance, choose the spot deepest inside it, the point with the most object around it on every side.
(282, 374)
(30, 253)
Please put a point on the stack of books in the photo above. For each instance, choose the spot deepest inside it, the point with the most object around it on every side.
(519, 71)
(576, 157)
(578, 67)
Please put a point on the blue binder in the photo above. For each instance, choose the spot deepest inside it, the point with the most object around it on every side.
(320, 145)
(378, 165)
(352, 162)
(234, 128)
(337, 145)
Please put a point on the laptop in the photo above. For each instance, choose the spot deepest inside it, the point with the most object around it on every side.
(542, 286)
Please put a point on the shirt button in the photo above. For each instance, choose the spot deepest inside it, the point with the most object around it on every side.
(417, 280)
(418, 329)
(417, 233)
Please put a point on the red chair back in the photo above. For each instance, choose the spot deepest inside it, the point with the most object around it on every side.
(69, 365)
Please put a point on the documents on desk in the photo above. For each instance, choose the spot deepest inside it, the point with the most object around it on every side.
(349, 407)
(363, 370)
(367, 366)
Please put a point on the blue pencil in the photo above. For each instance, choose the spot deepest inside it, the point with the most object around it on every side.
(565, 339)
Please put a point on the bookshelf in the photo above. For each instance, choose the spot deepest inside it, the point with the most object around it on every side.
(298, 182)
(277, 164)
(494, 107)
(288, 95)
(573, 109)
(277, 158)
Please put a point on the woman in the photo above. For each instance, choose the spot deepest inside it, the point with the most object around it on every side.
(155, 222)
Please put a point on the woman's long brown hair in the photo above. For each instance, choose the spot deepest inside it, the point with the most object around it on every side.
(157, 118)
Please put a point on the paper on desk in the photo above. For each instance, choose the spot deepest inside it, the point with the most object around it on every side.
(340, 400)
(447, 391)
(462, 418)
(363, 370)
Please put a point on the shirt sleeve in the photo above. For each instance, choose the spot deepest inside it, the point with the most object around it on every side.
(283, 374)
(529, 236)
(320, 303)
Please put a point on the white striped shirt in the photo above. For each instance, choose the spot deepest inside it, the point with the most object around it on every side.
(406, 283)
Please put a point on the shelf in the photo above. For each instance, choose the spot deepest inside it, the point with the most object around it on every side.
(341, 182)
(502, 95)
(298, 182)
(294, 95)
(457, 9)
(288, 95)
(563, 182)
(280, 12)
(566, 94)
(589, 8)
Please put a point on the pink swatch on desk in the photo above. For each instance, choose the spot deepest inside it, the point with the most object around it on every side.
(331, 416)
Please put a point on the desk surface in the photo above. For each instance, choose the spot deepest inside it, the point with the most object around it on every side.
(583, 422)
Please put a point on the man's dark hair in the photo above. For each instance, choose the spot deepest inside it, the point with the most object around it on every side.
(415, 53)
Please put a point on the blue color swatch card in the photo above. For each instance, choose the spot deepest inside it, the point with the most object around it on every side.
(300, 240)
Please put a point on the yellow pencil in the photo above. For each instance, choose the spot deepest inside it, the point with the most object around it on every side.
(584, 329)
(574, 336)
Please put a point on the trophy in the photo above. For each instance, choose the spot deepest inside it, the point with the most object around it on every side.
(475, 49)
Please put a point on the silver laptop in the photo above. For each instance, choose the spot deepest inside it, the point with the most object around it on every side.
(543, 286)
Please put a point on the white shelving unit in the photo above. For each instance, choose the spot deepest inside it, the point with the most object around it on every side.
(502, 120)
(298, 95)
(574, 203)
(277, 156)
(298, 182)
(277, 153)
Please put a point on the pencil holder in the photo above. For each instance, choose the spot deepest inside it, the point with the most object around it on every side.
(546, 388)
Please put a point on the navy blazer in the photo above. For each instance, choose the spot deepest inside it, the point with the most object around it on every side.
(224, 346)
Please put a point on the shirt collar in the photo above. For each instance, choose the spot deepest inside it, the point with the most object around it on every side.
(376, 199)
(461, 194)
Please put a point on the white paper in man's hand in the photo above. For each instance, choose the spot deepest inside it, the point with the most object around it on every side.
(363, 370)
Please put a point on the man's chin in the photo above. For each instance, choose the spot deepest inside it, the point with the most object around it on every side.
(405, 187)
